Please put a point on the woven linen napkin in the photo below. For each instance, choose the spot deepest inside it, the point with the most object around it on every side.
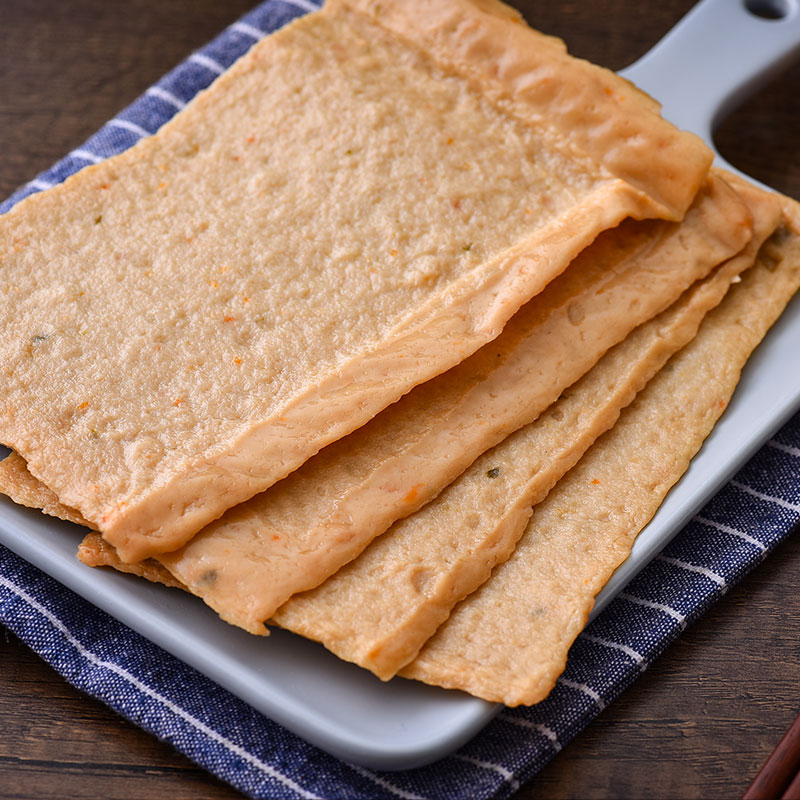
(99, 655)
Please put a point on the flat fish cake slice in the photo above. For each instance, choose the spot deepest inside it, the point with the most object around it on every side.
(302, 530)
(94, 551)
(361, 202)
(379, 610)
(508, 641)
(17, 482)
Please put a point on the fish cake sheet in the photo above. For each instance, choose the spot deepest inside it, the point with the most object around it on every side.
(296, 534)
(358, 204)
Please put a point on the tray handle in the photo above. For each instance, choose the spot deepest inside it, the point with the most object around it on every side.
(720, 53)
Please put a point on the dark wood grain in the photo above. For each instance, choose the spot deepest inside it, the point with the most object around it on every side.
(58, 743)
(698, 724)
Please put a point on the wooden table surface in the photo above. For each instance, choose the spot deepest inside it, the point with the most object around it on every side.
(697, 724)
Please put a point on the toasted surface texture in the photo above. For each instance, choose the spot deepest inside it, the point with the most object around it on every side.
(343, 215)
(508, 641)
(379, 610)
(292, 537)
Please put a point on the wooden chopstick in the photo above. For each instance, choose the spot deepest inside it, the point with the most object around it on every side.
(793, 791)
(779, 778)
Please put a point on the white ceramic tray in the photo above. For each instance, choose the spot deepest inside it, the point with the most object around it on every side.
(401, 724)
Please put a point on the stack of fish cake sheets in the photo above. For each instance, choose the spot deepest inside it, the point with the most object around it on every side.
(343, 215)
(454, 266)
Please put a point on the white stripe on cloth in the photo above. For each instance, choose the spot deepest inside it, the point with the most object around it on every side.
(89, 656)
(778, 501)
(167, 97)
(582, 687)
(125, 125)
(396, 790)
(303, 5)
(732, 531)
(248, 30)
(710, 574)
(623, 648)
(787, 448)
(87, 156)
(208, 63)
(669, 610)
(534, 726)
(38, 183)
(507, 774)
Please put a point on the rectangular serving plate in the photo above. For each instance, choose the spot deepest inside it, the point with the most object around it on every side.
(338, 706)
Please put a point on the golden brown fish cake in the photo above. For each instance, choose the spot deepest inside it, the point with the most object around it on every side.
(293, 536)
(343, 215)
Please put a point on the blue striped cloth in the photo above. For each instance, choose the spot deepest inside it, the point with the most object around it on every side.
(100, 656)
